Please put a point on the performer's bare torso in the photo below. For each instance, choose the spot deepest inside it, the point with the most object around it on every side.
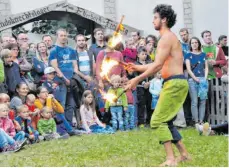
(174, 63)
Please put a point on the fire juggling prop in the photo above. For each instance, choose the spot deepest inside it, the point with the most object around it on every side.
(108, 63)
(106, 66)
(117, 36)
(111, 98)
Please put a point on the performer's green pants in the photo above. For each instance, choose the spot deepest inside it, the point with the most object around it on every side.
(171, 99)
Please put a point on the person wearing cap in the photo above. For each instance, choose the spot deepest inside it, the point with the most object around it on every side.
(52, 85)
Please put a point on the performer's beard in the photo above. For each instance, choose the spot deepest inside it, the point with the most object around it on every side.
(158, 27)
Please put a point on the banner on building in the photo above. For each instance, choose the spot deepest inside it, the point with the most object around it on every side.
(23, 17)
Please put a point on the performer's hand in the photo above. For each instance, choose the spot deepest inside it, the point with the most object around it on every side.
(131, 84)
(130, 67)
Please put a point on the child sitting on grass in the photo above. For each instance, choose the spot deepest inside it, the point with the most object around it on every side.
(34, 112)
(9, 140)
(90, 121)
(24, 120)
(5, 99)
(47, 125)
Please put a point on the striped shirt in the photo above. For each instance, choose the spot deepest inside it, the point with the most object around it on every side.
(84, 63)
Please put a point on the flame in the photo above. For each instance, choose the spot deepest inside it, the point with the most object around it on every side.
(116, 38)
(106, 66)
(110, 97)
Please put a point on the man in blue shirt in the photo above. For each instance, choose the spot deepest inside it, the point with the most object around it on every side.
(64, 60)
(184, 35)
(99, 43)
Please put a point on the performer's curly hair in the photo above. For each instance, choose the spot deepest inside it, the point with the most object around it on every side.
(166, 11)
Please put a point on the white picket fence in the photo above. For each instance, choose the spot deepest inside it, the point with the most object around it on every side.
(218, 103)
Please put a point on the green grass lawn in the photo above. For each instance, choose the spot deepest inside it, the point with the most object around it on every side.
(135, 148)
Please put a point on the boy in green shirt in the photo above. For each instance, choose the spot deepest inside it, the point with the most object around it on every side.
(118, 105)
(46, 125)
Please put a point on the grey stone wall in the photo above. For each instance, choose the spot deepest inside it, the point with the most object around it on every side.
(110, 9)
(5, 10)
(188, 22)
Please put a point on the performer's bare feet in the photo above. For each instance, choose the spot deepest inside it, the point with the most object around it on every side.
(169, 162)
(183, 158)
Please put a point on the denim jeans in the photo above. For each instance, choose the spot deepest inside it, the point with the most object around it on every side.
(100, 102)
(129, 117)
(64, 95)
(20, 136)
(70, 106)
(60, 94)
(136, 107)
(100, 130)
(154, 101)
(66, 124)
(5, 139)
(116, 117)
(197, 115)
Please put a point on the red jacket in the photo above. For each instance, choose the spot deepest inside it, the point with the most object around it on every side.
(7, 125)
(220, 62)
(129, 55)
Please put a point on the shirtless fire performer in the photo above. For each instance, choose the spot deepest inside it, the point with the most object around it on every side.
(169, 60)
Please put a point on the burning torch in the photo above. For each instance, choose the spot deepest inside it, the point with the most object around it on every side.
(117, 37)
(120, 27)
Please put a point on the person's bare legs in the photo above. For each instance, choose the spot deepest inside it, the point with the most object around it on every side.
(184, 156)
(170, 157)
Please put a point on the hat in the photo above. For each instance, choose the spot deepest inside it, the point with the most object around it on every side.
(49, 70)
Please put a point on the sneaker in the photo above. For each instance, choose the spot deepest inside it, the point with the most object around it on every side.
(199, 128)
(65, 136)
(23, 142)
(41, 138)
(48, 137)
(11, 148)
(206, 129)
(74, 133)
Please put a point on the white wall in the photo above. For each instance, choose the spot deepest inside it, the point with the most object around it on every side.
(18, 6)
(211, 15)
(139, 13)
